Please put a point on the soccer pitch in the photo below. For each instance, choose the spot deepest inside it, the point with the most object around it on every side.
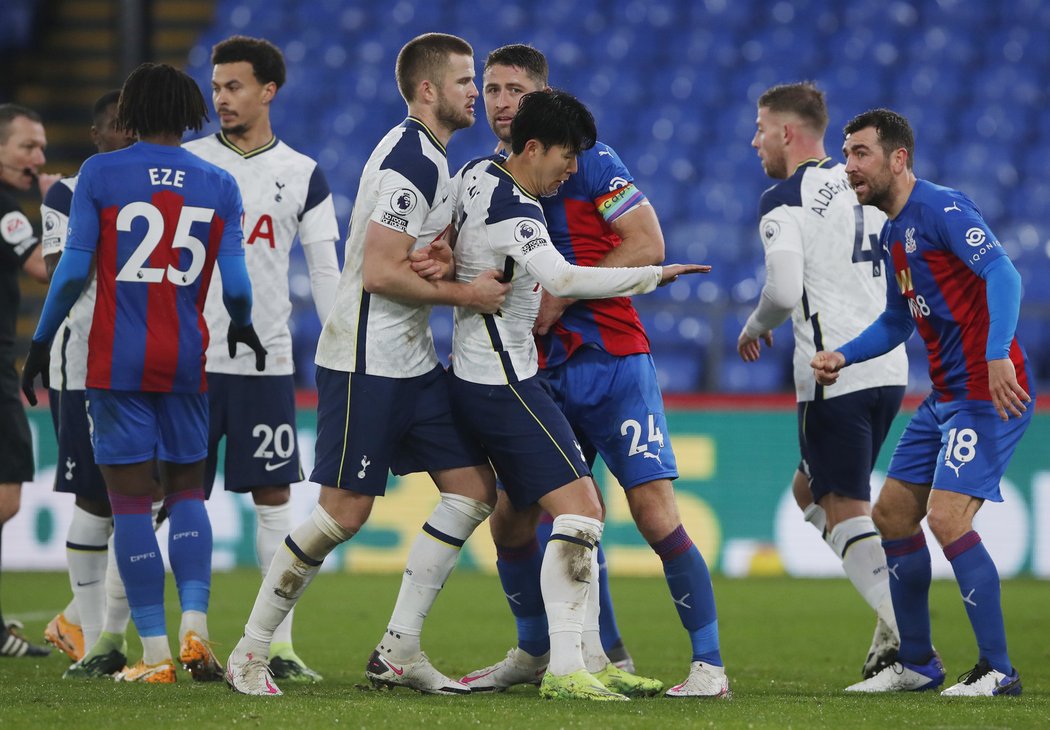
(790, 647)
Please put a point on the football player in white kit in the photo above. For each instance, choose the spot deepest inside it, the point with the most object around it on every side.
(502, 401)
(99, 609)
(824, 271)
(285, 195)
(383, 402)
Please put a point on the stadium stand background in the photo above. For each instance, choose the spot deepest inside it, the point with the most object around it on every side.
(673, 85)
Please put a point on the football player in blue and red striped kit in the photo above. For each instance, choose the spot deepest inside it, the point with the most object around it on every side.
(154, 219)
(954, 283)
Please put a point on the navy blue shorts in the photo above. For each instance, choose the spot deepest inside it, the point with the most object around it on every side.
(615, 407)
(369, 425)
(256, 415)
(840, 439)
(129, 427)
(528, 440)
(958, 446)
(76, 471)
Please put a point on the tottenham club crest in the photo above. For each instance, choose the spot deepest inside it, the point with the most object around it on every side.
(403, 201)
(526, 230)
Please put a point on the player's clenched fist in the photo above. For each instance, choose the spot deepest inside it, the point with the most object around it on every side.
(826, 366)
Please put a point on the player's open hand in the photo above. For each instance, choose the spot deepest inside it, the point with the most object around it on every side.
(1008, 397)
(551, 310)
(749, 347)
(826, 366)
(37, 363)
(246, 334)
(434, 261)
(673, 271)
(487, 292)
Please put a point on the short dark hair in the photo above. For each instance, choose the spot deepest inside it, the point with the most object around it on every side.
(103, 103)
(266, 59)
(553, 118)
(426, 57)
(802, 98)
(160, 99)
(518, 55)
(893, 130)
(11, 112)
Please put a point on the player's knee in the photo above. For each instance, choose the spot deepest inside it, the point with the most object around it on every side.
(947, 527)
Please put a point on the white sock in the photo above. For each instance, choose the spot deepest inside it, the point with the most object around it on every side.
(272, 524)
(196, 621)
(72, 613)
(118, 613)
(857, 542)
(430, 561)
(155, 649)
(565, 578)
(815, 515)
(594, 656)
(87, 571)
(289, 575)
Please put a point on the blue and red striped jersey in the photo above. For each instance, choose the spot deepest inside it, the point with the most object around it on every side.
(938, 246)
(156, 217)
(578, 220)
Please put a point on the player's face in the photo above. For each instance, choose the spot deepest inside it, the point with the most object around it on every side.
(769, 141)
(105, 133)
(457, 93)
(240, 99)
(868, 167)
(22, 155)
(554, 166)
(503, 88)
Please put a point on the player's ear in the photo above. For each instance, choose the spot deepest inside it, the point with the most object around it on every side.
(269, 92)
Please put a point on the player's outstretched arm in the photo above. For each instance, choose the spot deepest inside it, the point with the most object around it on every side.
(826, 366)
(671, 272)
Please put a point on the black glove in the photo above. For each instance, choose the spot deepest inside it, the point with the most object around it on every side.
(38, 362)
(245, 334)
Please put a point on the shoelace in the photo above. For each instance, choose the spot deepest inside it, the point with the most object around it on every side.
(254, 664)
(979, 670)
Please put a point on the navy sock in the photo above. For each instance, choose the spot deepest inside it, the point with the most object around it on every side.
(690, 583)
(139, 561)
(519, 572)
(190, 547)
(979, 585)
(908, 560)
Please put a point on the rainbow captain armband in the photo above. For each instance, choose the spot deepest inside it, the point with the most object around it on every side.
(614, 204)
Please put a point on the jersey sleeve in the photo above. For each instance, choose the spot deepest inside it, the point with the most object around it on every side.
(400, 205)
(16, 236)
(83, 230)
(317, 221)
(54, 217)
(610, 184)
(232, 243)
(964, 231)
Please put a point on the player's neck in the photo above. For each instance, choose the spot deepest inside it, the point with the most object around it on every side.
(516, 166)
(167, 140)
(901, 194)
(802, 155)
(249, 140)
(442, 133)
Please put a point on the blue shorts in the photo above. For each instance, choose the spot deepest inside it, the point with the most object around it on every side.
(958, 446)
(76, 471)
(129, 427)
(256, 415)
(840, 438)
(527, 439)
(369, 425)
(615, 407)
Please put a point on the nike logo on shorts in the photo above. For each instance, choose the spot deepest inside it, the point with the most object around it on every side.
(271, 467)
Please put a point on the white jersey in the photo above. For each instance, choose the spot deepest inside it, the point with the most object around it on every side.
(69, 349)
(405, 187)
(815, 214)
(285, 193)
(501, 226)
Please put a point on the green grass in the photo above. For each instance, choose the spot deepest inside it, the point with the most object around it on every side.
(790, 647)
